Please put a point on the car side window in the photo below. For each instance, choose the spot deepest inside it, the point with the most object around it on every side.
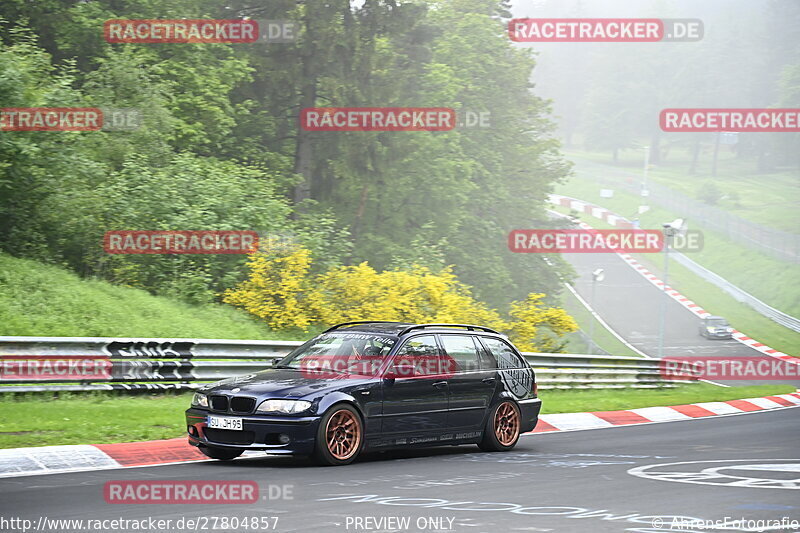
(419, 356)
(488, 361)
(462, 350)
(504, 354)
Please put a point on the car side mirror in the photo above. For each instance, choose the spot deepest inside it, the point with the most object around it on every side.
(275, 361)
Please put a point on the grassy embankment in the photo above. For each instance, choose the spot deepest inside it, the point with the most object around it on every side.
(768, 198)
(44, 300)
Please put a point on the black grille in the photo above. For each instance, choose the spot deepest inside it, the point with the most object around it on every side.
(240, 404)
(224, 436)
(219, 403)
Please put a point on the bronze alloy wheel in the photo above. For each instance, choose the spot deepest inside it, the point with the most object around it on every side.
(506, 424)
(343, 434)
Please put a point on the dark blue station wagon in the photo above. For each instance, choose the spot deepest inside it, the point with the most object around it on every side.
(365, 386)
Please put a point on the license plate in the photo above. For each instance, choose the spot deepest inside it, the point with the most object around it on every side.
(225, 422)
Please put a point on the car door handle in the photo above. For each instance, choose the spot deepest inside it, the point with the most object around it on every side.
(487, 380)
(440, 384)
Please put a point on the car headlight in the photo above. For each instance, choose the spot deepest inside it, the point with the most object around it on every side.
(283, 406)
(729, 330)
(710, 329)
(200, 400)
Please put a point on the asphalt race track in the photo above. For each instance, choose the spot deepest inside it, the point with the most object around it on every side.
(632, 306)
(743, 466)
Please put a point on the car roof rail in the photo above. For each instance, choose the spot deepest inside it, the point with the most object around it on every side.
(470, 327)
(353, 323)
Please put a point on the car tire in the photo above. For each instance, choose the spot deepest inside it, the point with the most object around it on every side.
(502, 429)
(223, 454)
(340, 436)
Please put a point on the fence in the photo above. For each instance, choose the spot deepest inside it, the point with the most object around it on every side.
(40, 364)
(740, 295)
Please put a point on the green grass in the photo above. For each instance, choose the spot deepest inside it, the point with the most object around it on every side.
(89, 418)
(95, 418)
(574, 401)
(43, 300)
(768, 198)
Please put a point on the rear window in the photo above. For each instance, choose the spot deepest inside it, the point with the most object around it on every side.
(505, 355)
(462, 349)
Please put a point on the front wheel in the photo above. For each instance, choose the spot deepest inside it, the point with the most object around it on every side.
(502, 428)
(340, 436)
(223, 454)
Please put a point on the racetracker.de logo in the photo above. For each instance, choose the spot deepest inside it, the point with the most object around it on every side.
(727, 368)
(48, 368)
(738, 120)
(69, 119)
(548, 241)
(357, 366)
(180, 31)
(181, 492)
(601, 30)
(180, 242)
(50, 119)
(377, 119)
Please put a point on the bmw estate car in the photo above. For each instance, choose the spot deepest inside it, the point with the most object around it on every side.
(367, 386)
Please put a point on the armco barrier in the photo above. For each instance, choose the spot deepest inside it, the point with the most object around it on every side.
(39, 364)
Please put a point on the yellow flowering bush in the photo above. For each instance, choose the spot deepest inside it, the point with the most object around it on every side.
(415, 295)
(536, 328)
(277, 290)
(282, 290)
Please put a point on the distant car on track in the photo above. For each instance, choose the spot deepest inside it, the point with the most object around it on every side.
(715, 327)
(373, 386)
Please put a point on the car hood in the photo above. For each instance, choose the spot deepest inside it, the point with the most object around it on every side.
(285, 383)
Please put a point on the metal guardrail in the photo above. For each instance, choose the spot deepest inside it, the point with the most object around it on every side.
(49, 364)
(738, 294)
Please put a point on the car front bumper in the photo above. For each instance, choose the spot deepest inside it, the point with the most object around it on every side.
(259, 432)
(529, 411)
(724, 335)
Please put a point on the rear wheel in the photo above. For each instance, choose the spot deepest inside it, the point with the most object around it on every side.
(502, 428)
(223, 454)
(340, 436)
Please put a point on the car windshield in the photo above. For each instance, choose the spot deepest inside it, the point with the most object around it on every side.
(341, 353)
(717, 322)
